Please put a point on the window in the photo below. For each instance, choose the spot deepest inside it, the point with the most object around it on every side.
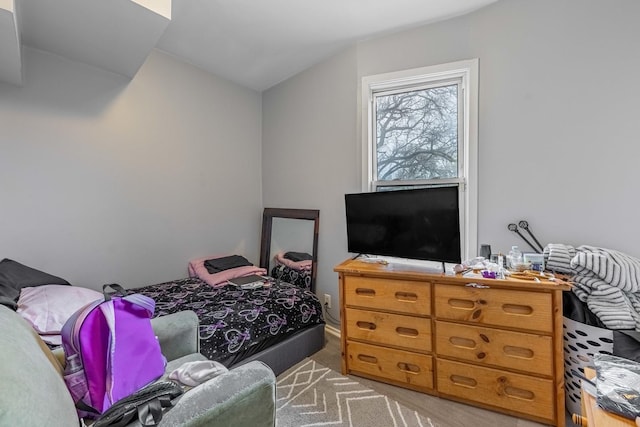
(419, 129)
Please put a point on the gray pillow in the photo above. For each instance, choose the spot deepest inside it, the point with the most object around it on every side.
(15, 276)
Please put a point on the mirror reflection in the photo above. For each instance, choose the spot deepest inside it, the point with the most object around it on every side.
(289, 245)
(291, 239)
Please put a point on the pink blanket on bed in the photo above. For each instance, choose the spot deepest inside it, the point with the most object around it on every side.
(197, 269)
(296, 265)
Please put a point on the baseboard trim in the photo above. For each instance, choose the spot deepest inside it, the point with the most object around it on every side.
(332, 330)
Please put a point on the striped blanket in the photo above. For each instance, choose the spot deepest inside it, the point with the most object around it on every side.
(558, 256)
(608, 281)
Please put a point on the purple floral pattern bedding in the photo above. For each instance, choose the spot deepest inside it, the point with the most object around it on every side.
(237, 323)
(300, 278)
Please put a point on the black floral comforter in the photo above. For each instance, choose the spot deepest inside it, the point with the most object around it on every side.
(300, 278)
(237, 323)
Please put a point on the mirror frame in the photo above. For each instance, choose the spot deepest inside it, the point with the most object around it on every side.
(267, 223)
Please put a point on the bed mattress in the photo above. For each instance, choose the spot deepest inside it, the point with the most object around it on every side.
(238, 323)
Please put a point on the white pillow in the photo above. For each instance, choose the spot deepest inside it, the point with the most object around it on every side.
(48, 307)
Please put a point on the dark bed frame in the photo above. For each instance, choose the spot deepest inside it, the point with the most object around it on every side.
(285, 354)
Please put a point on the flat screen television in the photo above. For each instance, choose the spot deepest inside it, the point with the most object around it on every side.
(421, 224)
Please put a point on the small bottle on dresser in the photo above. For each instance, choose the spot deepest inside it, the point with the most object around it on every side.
(514, 258)
(500, 266)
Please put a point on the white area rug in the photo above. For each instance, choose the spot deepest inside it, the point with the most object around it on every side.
(313, 395)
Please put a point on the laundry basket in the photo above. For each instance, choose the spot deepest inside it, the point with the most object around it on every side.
(581, 342)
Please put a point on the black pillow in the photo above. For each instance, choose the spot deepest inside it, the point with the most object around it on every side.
(9, 303)
(15, 276)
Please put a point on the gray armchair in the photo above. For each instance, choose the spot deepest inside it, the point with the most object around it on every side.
(33, 393)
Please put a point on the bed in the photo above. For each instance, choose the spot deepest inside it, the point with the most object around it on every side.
(238, 325)
(279, 323)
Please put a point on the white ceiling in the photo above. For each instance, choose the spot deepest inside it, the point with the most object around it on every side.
(255, 43)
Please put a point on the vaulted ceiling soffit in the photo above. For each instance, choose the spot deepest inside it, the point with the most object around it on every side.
(115, 35)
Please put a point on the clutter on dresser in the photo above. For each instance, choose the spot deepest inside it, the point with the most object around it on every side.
(535, 261)
(485, 251)
(517, 269)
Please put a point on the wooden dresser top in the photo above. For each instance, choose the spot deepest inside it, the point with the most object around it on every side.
(415, 272)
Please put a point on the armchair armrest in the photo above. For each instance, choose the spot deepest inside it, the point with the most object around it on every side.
(243, 397)
(177, 333)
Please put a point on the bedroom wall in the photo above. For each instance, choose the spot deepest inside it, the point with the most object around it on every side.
(106, 180)
(308, 150)
(557, 123)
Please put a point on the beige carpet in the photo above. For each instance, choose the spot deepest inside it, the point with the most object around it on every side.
(310, 394)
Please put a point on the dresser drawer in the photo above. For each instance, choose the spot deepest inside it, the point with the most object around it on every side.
(514, 392)
(514, 350)
(404, 296)
(409, 368)
(499, 307)
(413, 333)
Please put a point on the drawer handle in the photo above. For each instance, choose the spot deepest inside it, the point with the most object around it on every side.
(406, 296)
(407, 332)
(461, 303)
(463, 381)
(523, 310)
(366, 325)
(367, 359)
(365, 292)
(519, 393)
(462, 342)
(514, 392)
(524, 353)
(409, 367)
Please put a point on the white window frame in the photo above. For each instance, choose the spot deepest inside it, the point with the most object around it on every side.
(467, 72)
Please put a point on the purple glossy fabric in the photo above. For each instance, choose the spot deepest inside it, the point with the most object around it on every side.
(117, 350)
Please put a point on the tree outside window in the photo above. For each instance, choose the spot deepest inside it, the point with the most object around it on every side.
(417, 134)
(420, 129)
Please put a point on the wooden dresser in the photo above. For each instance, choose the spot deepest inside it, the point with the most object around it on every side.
(496, 344)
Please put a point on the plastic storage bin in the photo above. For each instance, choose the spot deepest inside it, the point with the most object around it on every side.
(581, 342)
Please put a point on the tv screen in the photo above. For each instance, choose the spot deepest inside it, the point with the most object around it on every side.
(419, 224)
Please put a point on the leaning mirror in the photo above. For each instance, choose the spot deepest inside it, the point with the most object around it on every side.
(289, 246)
